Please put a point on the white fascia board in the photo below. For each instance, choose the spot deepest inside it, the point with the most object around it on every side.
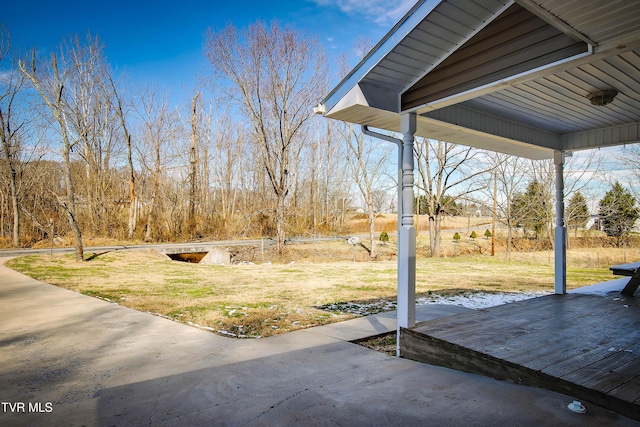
(474, 120)
(604, 137)
(454, 133)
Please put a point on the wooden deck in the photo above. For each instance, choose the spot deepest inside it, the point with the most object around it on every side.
(585, 346)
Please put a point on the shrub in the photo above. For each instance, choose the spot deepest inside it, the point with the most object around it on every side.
(384, 237)
(473, 235)
(487, 233)
(456, 237)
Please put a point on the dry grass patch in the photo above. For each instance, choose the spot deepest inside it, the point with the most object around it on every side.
(258, 300)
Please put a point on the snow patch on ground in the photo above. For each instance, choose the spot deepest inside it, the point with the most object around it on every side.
(473, 300)
(478, 300)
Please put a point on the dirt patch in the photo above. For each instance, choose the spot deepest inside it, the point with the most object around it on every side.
(385, 343)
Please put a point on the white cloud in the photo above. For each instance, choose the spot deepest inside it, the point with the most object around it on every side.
(383, 12)
(7, 75)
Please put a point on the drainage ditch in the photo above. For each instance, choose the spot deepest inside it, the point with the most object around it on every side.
(192, 257)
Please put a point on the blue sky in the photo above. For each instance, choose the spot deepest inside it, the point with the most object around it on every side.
(161, 41)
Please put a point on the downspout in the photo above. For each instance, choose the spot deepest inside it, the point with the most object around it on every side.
(398, 142)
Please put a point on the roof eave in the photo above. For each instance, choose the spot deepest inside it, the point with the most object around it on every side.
(411, 19)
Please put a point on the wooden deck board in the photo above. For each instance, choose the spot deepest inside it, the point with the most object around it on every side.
(586, 346)
(512, 320)
(595, 375)
(626, 371)
(630, 389)
(553, 349)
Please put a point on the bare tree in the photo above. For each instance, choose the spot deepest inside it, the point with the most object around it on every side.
(274, 75)
(582, 170)
(366, 161)
(205, 172)
(325, 190)
(10, 131)
(193, 166)
(122, 117)
(510, 173)
(630, 158)
(159, 126)
(543, 173)
(230, 165)
(334, 186)
(50, 80)
(443, 168)
(94, 123)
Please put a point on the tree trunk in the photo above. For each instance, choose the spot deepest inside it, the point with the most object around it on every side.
(509, 240)
(133, 209)
(148, 236)
(280, 231)
(55, 105)
(148, 232)
(312, 191)
(133, 205)
(8, 142)
(69, 205)
(193, 171)
(15, 237)
(437, 224)
(372, 231)
(432, 239)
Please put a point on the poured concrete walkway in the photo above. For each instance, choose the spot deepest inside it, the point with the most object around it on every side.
(68, 359)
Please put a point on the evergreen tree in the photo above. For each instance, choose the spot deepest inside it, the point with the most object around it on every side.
(421, 205)
(577, 213)
(532, 209)
(449, 206)
(618, 212)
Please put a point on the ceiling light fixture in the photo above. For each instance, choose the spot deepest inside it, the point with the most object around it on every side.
(602, 97)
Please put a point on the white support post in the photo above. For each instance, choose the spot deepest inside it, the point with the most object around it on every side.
(399, 220)
(407, 231)
(560, 242)
(399, 232)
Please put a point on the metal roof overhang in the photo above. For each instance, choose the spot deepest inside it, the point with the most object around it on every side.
(507, 76)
